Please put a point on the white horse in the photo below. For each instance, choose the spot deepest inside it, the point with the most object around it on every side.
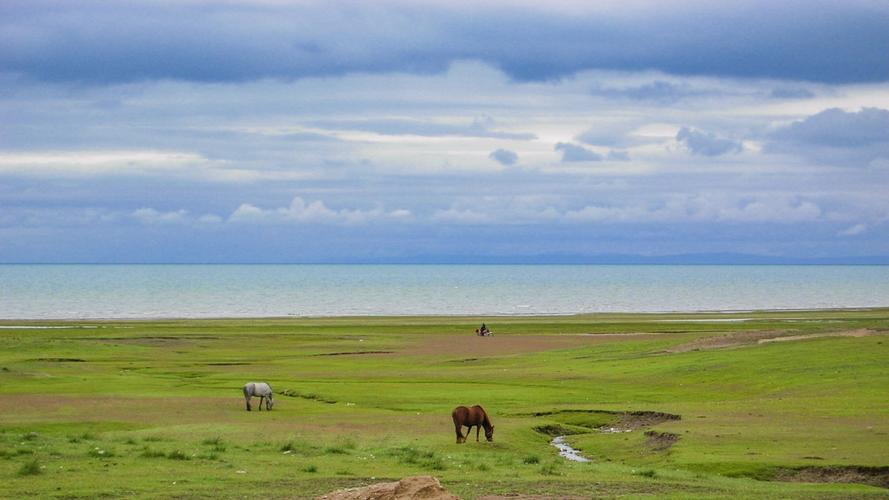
(261, 390)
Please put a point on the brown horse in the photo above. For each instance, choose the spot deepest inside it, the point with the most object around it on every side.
(470, 417)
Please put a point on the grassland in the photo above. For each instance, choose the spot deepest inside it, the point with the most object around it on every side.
(153, 409)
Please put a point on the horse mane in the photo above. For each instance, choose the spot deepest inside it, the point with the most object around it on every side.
(486, 422)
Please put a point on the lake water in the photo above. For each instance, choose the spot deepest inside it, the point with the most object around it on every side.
(195, 291)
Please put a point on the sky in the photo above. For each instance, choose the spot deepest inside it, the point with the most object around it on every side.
(443, 131)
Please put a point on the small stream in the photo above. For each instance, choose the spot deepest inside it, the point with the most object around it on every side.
(567, 451)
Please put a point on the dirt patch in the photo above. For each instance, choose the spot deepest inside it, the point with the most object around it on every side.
(312, 397)
(660, 441)
(623, 420)
(739, 339)
(555, 430)
(633, 420)
(426, 487)
(729, 340)
(863, 332)
(874, 476)
(60, 360)
(353, 353)
(475, 347)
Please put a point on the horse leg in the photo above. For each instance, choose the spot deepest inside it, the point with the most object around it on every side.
(248, 403)
(458, 429)
(261, 399)
(477, 428)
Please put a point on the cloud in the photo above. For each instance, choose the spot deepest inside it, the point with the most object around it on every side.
(152, 216)
(791, 93)
(574, 153)
(103, 162)
(101, 42)
(837, 137)
(706, 143)
(615, 155)
(463, 216)
(839, 129)
(504, 157)
(705, 208)
(853, 230)
(315, 212)
(658, 92)
(391, 126)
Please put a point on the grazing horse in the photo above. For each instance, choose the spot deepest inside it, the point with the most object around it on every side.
(470, 417)
(261, 390)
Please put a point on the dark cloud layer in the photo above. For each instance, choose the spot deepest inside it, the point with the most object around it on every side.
(836, 137)
(573, 153)
(837, 128)
(504, 157)
(658, 92)
(101, 42)
(706, 143)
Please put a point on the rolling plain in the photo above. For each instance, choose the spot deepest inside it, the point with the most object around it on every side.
(783, 404)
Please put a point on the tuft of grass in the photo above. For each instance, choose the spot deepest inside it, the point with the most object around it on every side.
(86, 436)
(153, 439)
(413, 456)
(335, 450)
(300, 447)
(550, 469)
(30, 468)
(531, 460)
(100, 453)
(177, 455)
(217, 443)
(310, 468)
(646, 473)
(149, 453)
(129, 441)
(30, 436)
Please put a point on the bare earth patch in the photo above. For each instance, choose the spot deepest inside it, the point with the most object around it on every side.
(874, 476)
(738, 339)
(863, 332)
(660, 441)
(633, 420)
(472, 346)
(426, 487)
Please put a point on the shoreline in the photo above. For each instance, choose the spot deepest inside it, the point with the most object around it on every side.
(605, 315)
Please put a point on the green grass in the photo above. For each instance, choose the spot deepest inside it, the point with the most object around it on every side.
(153, 409)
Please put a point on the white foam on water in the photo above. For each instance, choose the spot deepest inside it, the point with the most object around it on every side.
(567, 451)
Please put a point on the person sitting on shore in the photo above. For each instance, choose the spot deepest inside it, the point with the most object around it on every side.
(483, 331)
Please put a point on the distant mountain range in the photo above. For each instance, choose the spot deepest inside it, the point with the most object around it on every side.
(682, 259)
(616, 259)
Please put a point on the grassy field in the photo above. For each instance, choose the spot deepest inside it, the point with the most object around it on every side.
(699, 405)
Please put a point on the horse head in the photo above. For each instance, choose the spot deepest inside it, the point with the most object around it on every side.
(269, 402)
(489, 433)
